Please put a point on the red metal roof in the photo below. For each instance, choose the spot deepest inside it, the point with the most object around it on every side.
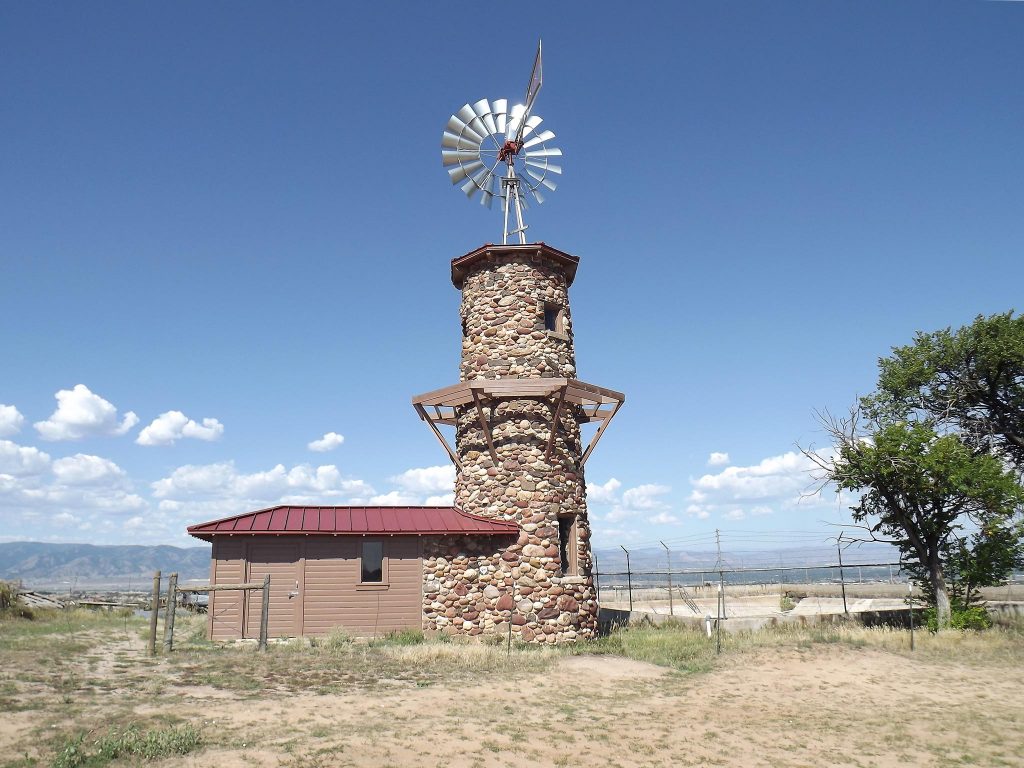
(353, 520)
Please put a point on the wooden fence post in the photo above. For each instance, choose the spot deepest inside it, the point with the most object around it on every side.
(265, 613)
(172, 603)
(154, 615)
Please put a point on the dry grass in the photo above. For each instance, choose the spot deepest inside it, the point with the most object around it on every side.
(794, 695)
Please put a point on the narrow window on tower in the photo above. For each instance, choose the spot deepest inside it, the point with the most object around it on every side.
(372, 562)
(553, 318)
(567, 545)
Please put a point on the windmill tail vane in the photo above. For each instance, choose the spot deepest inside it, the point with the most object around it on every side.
(483, 136)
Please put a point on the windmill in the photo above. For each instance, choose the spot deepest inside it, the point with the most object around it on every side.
(483, 136)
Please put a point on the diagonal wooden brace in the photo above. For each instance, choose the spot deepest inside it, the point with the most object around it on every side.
(485, 426)
(554, 424)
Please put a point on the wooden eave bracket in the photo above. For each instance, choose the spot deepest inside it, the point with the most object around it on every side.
(600, 431)
(485, 426)
(437, 433)
(554, 424)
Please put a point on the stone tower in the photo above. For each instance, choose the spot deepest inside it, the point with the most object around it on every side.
(519, 453)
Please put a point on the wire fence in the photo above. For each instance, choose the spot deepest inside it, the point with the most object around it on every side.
(683, 577)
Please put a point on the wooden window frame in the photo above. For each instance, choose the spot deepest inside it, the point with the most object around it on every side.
(558, 331)
(384, 583)
(570, 547)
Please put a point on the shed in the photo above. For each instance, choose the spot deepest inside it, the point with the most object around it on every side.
(357, 568)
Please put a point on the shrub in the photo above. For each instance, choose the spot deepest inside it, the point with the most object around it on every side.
(973, 618)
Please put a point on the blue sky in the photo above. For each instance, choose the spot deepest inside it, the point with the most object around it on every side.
(238, 213)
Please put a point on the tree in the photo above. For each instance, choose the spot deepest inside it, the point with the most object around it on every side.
(919, 489)
(969, 381)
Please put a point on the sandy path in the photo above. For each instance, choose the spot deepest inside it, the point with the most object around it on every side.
(823, 706)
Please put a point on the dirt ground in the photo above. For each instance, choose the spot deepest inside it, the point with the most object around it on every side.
(796, 703)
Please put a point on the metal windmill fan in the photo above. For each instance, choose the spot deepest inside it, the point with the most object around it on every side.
(482, 137)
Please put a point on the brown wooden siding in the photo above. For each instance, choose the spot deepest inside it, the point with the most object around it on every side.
(225, 608)
(314, 586)
(280, 559)
(334, 598)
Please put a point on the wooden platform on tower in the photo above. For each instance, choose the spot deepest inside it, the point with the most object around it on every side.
(596, 404)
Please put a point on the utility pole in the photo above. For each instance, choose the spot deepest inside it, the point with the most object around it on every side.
(842, 580)
(629, 578)
(718, 565)
(668, 554)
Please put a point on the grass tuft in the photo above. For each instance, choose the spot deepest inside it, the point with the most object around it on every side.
(129, 742)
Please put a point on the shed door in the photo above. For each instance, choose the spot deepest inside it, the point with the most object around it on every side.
(281, 560)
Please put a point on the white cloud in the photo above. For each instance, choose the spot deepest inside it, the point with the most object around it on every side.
(22, 461)
(718, 459)
(695, 510)
(171, 426)
(434, 480)
(663, 518)
(443, 500)
(761, 510)
(223, 481)
(638, 500)
(734, 514)
(603, 494)
(80, 413)
(328, 442)
(82, 469)
(10, 420)
(43, 499)
(395, 499)
(645, 496)
(788, 473)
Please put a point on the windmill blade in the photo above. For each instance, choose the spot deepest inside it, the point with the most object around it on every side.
(538, 195)
(459, 127)
(473, 184)
(552, 152)
(514, 118)
(454, 141)
(483, 111)
(484, 182)
(488, 191)
(460, 172)
(451, 156)
(501, 115)
(525, 129)
(545, 165)
(540, 138)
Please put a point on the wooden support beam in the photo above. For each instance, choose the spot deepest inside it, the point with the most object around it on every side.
(437, 433)
(264, 614)
(172, 604)
(485, 427)
(600, 431)
(154, 616)
(223, 587)
(554, 425)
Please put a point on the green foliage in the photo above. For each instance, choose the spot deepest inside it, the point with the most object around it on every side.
(973, 617)
(401, 637)
(128, 742)
(786, 603)
(918, 486)
(10, 606)
(940, 461)
(969, 381)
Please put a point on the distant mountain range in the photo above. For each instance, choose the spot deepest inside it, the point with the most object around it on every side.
(76, 566)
